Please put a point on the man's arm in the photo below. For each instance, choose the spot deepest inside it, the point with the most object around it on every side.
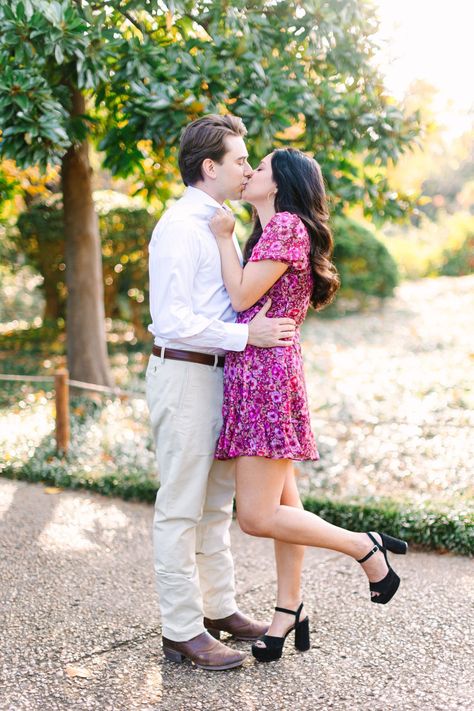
(173, 265)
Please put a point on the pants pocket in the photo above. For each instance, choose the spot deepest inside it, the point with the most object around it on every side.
(199, 418)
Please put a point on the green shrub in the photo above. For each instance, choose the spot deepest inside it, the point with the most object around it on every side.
(364, 263)
(451, 530)
(445, 530)
(46, 339)
(40, 238)
(433, 248)
(125, 227)
(459, 260)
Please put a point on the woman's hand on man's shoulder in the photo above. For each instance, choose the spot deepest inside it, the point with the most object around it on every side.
(222, 223)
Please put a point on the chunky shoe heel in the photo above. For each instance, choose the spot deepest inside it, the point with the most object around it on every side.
(173, 656)
(274, 645)
(215, 633)
(302, 635)
(394, 545)
(386, 588)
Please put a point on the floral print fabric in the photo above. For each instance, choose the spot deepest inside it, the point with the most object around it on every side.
(265, 410)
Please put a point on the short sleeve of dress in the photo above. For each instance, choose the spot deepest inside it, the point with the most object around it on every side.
(285, 239)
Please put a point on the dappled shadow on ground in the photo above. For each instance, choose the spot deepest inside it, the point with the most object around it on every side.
(81, 628)
(77, 579)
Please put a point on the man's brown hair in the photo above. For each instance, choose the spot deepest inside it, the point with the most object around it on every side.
(205, 138)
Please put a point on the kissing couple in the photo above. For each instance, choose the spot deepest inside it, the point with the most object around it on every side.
(227, 396)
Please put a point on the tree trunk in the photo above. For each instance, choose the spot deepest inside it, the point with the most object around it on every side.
(53, 304)
(85, 323)
(140, 332)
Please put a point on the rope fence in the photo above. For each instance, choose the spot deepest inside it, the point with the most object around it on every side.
(29, 378)
(73, 384)
(62, 384)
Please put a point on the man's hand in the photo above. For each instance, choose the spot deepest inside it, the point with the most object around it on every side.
(222, 223)
(270, 332)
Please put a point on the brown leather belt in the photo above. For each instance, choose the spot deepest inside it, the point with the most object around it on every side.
(191, 356)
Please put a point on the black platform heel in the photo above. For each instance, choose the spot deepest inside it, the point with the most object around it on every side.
(274, 645)
(388, 586)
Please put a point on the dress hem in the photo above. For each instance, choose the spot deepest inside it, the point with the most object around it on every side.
(294, 458)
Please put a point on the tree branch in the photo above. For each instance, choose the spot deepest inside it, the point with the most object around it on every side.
(131, 19)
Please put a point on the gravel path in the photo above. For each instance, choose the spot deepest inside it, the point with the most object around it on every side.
(80, 626)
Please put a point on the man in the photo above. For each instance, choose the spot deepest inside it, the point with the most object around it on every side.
(193, 325)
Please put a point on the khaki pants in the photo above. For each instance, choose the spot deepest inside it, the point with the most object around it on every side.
(193, 509)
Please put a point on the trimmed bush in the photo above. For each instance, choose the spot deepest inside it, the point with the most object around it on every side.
(438, 530)
(459, 261)
(365, 265)
(433, 248)
(433, 529)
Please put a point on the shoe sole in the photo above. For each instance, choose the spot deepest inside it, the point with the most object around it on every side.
(385, 601)
(262, 660)
(223, 668)
(217, 635)
(245, 639)
(173, 656)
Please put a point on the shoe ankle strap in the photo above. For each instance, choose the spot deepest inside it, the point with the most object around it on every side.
(377, 547)
(291, 612)
(369, 554)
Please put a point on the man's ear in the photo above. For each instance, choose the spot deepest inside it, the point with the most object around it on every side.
(208, 168)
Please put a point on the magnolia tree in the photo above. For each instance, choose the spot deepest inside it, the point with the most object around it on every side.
(130, 74)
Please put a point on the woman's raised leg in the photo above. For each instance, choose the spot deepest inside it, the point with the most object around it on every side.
(259, 486)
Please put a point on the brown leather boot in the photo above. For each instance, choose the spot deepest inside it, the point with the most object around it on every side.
(237, 625)
(204, 651)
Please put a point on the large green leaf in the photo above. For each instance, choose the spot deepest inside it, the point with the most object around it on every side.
(148, 68)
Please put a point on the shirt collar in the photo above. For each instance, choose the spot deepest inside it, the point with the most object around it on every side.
(199, 197)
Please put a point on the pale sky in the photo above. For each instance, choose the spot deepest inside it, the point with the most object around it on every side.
(431, 40)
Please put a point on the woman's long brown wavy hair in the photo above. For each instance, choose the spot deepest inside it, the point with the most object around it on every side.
(301, 191)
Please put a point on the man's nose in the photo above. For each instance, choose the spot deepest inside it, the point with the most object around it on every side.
(248, 170)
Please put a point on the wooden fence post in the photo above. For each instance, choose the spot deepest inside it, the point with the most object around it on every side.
(62, 410)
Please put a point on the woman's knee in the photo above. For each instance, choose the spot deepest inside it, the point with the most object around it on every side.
(291, 500)
(253, 523)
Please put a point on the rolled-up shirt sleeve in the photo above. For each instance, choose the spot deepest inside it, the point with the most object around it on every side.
(174, 257)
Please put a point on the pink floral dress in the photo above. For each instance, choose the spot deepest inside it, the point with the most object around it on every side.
(265, 410)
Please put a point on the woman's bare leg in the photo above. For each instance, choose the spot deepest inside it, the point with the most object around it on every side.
(289, 563)
(259, 486)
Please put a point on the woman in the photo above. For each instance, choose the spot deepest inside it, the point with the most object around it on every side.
(266, 418)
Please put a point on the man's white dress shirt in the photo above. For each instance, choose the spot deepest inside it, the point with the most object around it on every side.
(190, 307)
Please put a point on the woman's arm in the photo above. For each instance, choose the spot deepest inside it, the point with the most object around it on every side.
(245, 285)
